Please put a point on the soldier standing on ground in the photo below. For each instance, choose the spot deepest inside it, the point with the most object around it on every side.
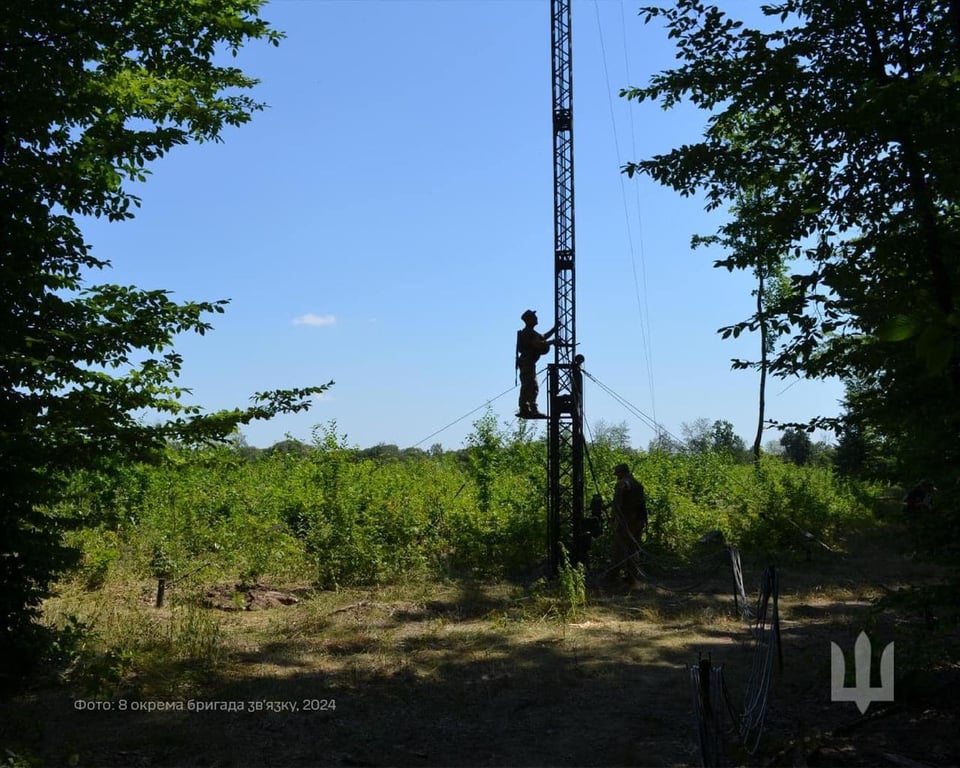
(531, 346)
(629, 519)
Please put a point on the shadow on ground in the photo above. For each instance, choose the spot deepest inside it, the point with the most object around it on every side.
(478, 675)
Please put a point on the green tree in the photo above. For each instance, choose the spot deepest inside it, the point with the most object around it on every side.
(797, 446)
(702, 436)
(726, 441)
(697, 436)
(664, 443)
(90, 94)
(850, 457)
(615, 437)
(288, 446)
(754, 242)
(238, 443)
(484, 454)
(381, 452)
(848, 112)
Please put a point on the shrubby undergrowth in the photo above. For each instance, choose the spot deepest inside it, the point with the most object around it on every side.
(334, 515)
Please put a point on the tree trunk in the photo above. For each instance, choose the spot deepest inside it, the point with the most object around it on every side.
(763, 360)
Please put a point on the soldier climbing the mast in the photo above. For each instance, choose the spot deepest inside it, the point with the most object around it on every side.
(531, 346)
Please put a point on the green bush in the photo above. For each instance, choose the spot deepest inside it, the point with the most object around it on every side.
(334, 515)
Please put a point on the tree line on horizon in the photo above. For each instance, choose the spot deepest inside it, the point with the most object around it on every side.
(699, 436)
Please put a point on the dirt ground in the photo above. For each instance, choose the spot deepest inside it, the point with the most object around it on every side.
(462, 674)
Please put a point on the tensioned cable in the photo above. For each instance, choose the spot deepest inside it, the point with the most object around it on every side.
(652, 423)
(708, 708)
(461, 418)
(740, 592)
(457, 421)
(767, 628)
(664, 431)
(586, 452)
(636, 190)
(709, 704)
(790, 385)
(645, 331)
(659, 429)
(647, 420)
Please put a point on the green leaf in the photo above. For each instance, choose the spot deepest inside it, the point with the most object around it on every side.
(935, 347)
(898, 328)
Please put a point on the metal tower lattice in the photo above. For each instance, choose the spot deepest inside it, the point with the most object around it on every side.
(565, 426)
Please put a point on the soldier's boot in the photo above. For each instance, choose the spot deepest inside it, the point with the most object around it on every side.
(529, 411)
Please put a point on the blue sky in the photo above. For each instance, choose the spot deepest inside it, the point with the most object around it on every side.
(385, 222)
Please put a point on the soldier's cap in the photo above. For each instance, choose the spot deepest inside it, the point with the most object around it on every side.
(528, 313)
(620, 468)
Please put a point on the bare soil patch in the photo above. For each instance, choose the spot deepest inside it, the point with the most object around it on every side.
(246, 597)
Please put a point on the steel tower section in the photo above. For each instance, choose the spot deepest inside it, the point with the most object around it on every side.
(565, 425)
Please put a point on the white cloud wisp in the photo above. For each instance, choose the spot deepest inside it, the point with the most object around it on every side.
(319, 321)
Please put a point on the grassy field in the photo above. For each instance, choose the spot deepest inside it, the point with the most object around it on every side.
(466, 673)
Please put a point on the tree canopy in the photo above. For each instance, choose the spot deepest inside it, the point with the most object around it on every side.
(90, 95)
(845, 114)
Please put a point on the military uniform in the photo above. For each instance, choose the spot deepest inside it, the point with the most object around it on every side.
(629, 518)
(531, 346)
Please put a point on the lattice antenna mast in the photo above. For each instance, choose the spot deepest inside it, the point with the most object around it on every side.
(565, 428)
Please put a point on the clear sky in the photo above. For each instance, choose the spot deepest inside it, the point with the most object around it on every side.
(385, 222)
